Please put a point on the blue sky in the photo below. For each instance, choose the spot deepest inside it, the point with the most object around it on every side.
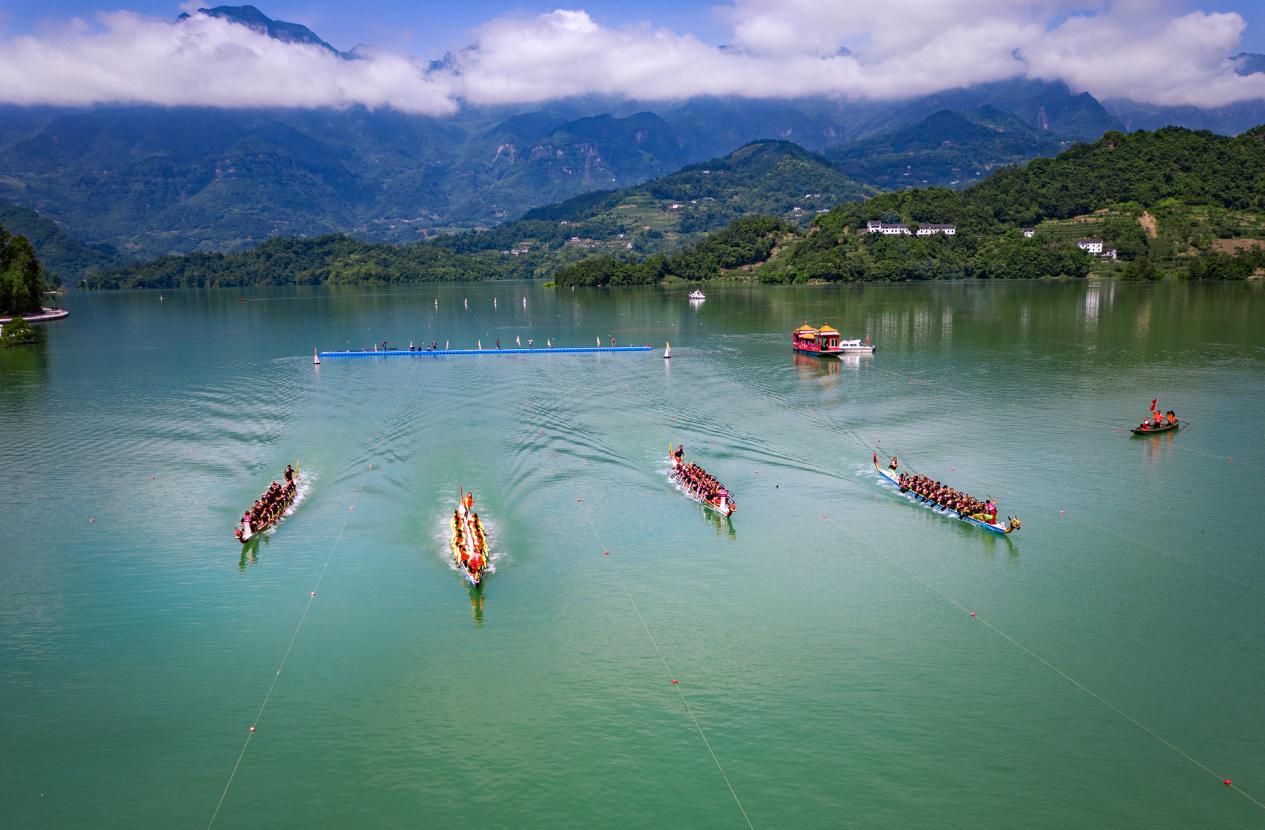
(423, 27)
(427, 27)
(1164, 52)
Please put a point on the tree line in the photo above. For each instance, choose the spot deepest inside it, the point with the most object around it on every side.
(21, 276)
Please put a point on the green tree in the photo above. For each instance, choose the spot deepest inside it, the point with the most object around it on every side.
(21, 276)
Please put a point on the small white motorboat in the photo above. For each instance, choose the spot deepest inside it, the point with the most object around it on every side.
(697, 295)
(856, 347)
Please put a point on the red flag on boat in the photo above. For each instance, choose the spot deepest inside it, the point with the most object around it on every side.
(1153, 403)
(875, 454)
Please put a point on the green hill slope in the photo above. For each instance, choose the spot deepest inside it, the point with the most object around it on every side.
(661, 216)
(65, 258)
(949, 148)
(1159, 194)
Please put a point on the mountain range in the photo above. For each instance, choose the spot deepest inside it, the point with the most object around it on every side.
(135, 182)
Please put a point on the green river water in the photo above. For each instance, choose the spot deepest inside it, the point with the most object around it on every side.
(829, 671)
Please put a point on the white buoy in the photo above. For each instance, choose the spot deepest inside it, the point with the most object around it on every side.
(466, 303)
(667, 352)
(518, 341)
(494, 302)
(436, 302)
(524, 302)
(316, 358)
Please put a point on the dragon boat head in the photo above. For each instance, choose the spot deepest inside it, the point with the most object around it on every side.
(1013, 524)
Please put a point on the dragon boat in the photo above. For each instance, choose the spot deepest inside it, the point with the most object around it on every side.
(979, 520)
(469, 541)
(721, 503)
(245, 531)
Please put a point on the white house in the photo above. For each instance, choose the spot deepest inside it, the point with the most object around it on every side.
(932, 230)
(875, 226)
(1109, 253)
(1028, 233)
(1093, 246)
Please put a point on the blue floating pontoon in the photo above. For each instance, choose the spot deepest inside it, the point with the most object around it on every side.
(484, 352)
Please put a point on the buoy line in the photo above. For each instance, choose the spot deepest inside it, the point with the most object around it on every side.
(250, 732)
(685, 701)
(1072, 680)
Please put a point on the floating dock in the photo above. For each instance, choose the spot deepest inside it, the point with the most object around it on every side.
(483, 352)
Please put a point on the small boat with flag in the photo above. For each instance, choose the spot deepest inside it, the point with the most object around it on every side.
(1158, 422)
(946, 500)
(270, 508)
(698, 484)
(469, 541)
(827, 341)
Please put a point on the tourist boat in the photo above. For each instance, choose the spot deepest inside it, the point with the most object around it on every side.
(890, 476)
(722, 504)
(697, 295)
(826, 341)
(245, 532)
(1151, 429)
(469, 542)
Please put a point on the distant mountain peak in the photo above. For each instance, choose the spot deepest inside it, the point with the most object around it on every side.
(255, 20)
(1248, 63)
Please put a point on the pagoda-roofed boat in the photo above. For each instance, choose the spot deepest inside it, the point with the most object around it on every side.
(826, 340)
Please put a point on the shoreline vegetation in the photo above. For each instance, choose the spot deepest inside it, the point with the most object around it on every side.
(1173, 203)
(22, 277)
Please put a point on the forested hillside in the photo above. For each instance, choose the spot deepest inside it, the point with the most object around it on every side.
(765, 177)
(1164, 199)
(951, 148)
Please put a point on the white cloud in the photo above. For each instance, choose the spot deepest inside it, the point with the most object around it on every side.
(1148, 50)
(1175, 61)
(125, 58)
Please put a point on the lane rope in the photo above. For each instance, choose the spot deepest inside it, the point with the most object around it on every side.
(1051, 666)
(663, 659)
(250, 733)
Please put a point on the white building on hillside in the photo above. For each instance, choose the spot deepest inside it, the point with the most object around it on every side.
(875, 226)
(1093, 246)
(1028, 233)
(932, 230)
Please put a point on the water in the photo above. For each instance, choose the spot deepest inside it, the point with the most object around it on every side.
(821, 639)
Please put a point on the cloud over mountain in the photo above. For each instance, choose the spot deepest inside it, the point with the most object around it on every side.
(1154, 51)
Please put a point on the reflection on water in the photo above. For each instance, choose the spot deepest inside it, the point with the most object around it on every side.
(724, 525)
(811, 365)
(476, 604)
(1159, 447)
(1091, 303)
(23, 373)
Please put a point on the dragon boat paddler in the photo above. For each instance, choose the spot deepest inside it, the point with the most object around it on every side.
(943, 497)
